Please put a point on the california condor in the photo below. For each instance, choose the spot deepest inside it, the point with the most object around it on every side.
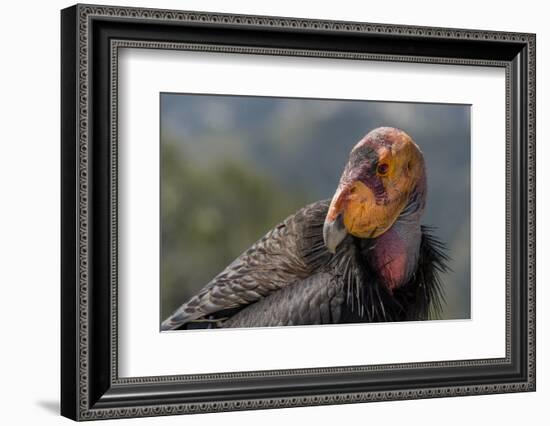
(361, 257)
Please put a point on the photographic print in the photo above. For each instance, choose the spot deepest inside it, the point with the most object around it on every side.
(271, 184)
(291, 211)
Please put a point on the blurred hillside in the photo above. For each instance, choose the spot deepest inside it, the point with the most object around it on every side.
(233, 167)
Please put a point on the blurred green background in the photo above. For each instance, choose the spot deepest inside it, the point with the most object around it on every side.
(232, 167)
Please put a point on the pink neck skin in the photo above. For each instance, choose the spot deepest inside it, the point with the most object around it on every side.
(396, 251)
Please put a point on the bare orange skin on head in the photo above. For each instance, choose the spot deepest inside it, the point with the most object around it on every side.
(400, 165)
(363, 217)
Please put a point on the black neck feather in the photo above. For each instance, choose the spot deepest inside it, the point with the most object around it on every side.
(367, 298)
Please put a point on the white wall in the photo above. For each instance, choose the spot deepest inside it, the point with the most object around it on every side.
(29, 211)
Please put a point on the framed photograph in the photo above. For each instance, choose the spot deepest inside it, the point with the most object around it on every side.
(263, 212)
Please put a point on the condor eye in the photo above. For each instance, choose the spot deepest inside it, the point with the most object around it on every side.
(382, 169)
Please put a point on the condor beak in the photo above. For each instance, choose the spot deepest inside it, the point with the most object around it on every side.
(334, 233)
(334, 230)
(354, 211)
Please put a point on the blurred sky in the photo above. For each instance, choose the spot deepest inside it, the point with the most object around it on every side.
(301, 146)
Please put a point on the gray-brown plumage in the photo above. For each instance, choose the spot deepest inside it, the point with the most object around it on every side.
(291, 277)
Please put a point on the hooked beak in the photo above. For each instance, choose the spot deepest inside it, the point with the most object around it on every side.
(334, 233)
(354, 211)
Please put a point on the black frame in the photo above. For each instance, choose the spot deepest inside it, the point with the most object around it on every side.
(91, 37)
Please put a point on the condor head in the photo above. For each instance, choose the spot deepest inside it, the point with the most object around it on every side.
(382, 172)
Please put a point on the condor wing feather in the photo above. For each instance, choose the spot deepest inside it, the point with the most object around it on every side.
(290, 252)
(315, 300)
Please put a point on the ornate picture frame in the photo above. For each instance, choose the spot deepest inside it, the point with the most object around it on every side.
(91, 37)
